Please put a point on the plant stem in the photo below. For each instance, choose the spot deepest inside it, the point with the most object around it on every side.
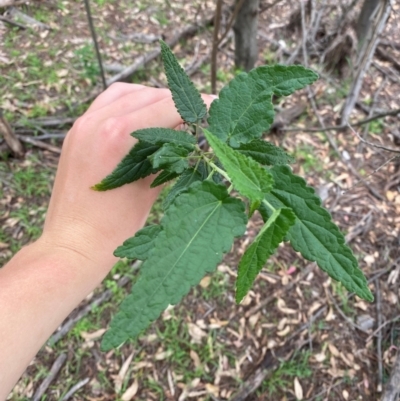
(216, 168)
(266, 203)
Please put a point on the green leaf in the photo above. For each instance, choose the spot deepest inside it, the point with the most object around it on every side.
(187, 99)
(244, 109)
(134, 165)
(140, 245)
(196, 231)
(187, 178)
(159, 136)
(314, 234)
(265, 153)
(171, 157)
(247, 176)
(163, 177)
(264, 245)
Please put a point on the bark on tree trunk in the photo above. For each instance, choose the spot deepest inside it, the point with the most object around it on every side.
(245, 28)
(364, 20)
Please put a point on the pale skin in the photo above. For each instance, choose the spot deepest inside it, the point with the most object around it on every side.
(46, 280)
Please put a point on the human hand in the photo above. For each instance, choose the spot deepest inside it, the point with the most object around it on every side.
(92, 223)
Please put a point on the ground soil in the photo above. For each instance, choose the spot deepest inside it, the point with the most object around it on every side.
(315, 340)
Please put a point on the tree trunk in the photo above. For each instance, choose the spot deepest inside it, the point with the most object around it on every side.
(377, 24)
(365, 19)
(245, 28)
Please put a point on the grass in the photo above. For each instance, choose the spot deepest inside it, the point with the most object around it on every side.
(283, 376)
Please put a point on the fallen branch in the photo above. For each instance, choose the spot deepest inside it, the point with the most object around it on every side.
(392, 390)
(10, 138)
(57, 365)
(379, 339)
(74, 389)
(39, 144)
(13, 23)
(9, 3)
(141, 61)
(372, 145)
(381, 14)
(29, 21)
(394, 112)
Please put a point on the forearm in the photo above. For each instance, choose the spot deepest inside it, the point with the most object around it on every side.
(44, 282)
(39, 288)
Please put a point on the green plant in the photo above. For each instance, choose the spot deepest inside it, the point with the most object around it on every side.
(203, 214)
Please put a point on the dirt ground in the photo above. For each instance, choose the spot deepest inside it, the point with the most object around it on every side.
(301, 334)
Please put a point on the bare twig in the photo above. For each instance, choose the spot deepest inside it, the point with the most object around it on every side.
(394, 112)
(372, 190)
(341, 313)
(13, 23)
(373, 145)
(379, 339)
(39, 144)
(366, 54)
(8, 3)
(105, 296)
(126, 74)
(46, 122)
(392, 390)
(27, 19)
(10, 137)
(74, 389)
(95, 42)
(214, 52)
(238, 6)
(382, 326)
(57, 365)
(268, 6)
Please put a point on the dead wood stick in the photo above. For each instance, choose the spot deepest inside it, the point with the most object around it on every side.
(126, 74)
(381, 15)
(11, 22)
(39, 144)
(105, 296)
(9, 3)
(57, 365)
(74, 389)
(379, 339)
(372, 145)
(392, 390)
(237, 8)
(10, 138)
(214, 51)
(394, 112)
(27, 19)
(46, 122)
(387, 57)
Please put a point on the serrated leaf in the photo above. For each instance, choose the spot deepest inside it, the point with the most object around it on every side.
(247, 176)
(196, 231)
(264, 245)
(187, 178)
(244, 109)
(134, 165)
(265, 153)
(163, 177)
(159, 136)
(187, 98)
(140, 245)
(314, 234)
(170, 157)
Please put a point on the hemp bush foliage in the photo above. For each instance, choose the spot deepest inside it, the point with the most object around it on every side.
(216, 192)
